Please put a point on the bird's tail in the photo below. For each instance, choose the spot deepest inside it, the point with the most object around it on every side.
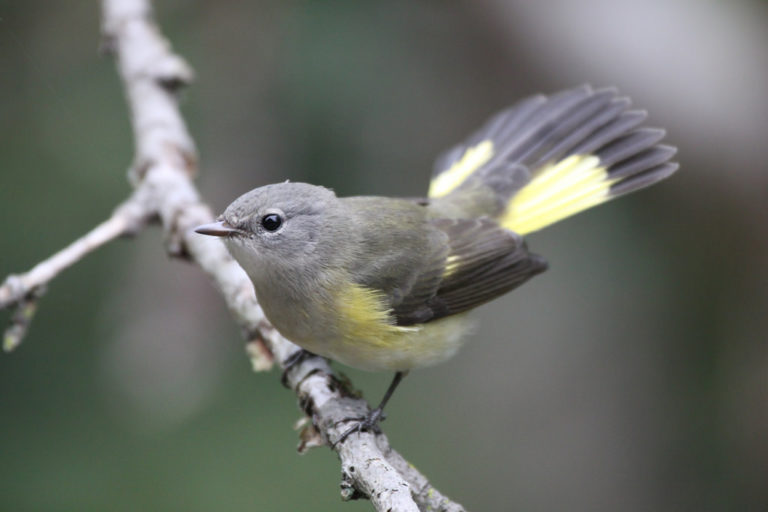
(548, 158)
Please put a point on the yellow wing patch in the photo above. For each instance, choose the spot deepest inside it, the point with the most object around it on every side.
(558, 191)
(449, 180)
(452, 263)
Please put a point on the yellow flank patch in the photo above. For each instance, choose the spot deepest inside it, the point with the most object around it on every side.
(364, 316)
(450, 179)
(558, 191)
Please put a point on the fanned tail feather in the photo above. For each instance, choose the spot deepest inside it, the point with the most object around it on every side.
(546, 159)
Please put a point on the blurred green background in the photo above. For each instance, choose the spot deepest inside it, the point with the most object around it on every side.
(632, 376)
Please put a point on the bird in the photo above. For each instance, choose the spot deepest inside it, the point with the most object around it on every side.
(387, 284)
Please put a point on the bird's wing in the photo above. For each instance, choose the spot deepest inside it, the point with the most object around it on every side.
(472, 262)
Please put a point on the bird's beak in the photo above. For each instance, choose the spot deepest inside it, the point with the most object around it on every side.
(218, 228)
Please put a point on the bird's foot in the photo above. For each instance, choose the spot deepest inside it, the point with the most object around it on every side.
(369, 422)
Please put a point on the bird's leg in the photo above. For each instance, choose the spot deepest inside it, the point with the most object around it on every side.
(372, 419)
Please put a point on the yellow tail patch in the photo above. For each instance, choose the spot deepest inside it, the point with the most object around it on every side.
(558, 191)
(450, 179)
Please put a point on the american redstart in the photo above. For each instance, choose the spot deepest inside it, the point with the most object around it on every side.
(384, 283)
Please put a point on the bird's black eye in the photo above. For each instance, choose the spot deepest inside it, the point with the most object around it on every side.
(271, 222)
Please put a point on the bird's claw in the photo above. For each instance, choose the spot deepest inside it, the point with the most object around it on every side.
(369, 422)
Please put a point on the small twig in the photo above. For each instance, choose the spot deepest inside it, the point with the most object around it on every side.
(127, 218)
(24, 290)
(21, 319)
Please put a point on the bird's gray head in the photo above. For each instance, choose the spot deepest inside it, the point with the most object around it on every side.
(280, 224)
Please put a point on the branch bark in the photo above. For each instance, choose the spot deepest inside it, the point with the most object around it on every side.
(164, 165)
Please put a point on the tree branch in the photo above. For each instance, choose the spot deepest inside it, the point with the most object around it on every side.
(164, 164)
(24, 290)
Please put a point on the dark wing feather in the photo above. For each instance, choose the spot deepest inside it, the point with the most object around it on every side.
(475, 262)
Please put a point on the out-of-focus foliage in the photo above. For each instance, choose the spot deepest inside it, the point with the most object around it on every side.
(631, 376)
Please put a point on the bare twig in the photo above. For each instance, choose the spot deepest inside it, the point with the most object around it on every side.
(21, 319)
(164, 165)
(24, 290)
